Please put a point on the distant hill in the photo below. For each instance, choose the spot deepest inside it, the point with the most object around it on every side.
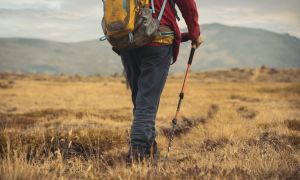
(33, 55)
(224, 47)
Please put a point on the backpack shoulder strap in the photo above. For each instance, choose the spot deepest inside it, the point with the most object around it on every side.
(162, 10)
(152, 5)
(173, 4)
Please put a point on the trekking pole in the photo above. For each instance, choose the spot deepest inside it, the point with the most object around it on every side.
(181, 96)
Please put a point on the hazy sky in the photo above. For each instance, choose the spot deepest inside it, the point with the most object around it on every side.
(75, 20)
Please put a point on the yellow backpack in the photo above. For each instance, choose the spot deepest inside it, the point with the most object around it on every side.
(129, 24)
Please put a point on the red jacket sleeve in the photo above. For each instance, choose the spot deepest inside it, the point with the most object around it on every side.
(189, 12)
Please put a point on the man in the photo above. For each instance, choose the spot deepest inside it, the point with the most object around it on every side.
(147, 69)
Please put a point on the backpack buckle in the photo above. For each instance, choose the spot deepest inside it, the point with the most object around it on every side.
(103, 38)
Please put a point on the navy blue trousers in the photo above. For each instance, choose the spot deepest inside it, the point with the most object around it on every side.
(146, 70)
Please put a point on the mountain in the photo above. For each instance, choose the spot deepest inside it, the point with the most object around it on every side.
(229, 47)
(224, 47)
(33, 55)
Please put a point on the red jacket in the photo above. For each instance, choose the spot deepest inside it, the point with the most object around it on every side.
(189, 12)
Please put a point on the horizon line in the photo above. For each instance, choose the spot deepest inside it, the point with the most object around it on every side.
(96, 39)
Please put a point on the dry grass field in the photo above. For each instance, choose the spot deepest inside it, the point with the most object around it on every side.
(236, 124)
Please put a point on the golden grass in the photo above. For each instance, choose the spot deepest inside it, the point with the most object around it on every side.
(77, 128)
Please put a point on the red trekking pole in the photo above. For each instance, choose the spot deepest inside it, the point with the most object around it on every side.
(181, 97)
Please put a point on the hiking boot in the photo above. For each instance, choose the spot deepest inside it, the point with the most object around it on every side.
(139, 153)
(136, 153)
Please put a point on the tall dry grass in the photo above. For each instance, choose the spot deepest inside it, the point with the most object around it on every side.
(239, 124)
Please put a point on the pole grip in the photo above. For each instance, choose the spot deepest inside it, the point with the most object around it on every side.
(193, 49)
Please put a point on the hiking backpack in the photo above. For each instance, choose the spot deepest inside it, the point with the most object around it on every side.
(129, 24)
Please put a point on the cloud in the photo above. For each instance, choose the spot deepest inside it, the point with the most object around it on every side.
(34, 4)
(274, 15)
(76, 20)
(60, 20)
